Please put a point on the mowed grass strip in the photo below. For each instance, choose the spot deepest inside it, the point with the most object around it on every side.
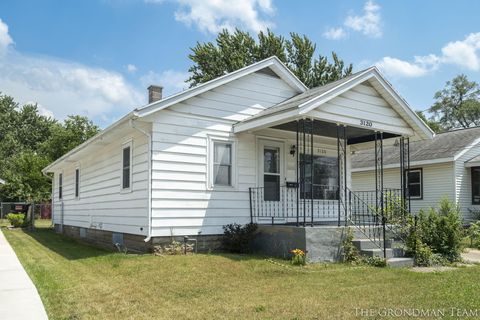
(77, 281)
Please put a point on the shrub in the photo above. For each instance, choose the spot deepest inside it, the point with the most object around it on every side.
(350, 252)
(473, 233)
(440, 230)
(174, 248)
(299, 257)
(16, 219)
(375, 261)
(237, 238)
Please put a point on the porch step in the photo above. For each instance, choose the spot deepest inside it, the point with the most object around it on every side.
(400, 262)
(363, 244)
(377, 252)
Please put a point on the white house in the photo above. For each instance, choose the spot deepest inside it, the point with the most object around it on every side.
(243, 147)
(447, 166)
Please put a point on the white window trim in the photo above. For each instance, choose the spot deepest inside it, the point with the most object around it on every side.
(420, 170)
(77, 167)
(126, 144)
(210, 162)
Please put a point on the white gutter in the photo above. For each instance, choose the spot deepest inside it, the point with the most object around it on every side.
(53, 194)
(149, 137)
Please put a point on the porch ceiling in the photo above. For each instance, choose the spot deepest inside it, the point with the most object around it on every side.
(327, 129)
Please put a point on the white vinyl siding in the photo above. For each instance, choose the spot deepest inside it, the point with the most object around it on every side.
(101, 204)
(362, 103)
(463, 181)
(183, 200)
(437, 183)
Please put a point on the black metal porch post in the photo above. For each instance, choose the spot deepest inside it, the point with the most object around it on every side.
(345, 172)
(303, 174)
(384, 219)
(298, 169)
(408, 170)
(338, 173)
(311, 171)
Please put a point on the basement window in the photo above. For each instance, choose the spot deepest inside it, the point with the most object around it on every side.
(414, 179)
(476, 185)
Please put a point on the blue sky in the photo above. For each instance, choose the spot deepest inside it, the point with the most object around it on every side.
(96, 57)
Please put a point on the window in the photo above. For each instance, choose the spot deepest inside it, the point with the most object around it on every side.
(476, 185)
(126, 167)
(325, 177)
(60, 186)
(77, 182)
(271, 173)
(222, 164)
(414, 180)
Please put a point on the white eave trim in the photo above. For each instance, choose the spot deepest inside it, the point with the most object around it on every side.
(315, 102)
(412, 164)
(467, 148)
(272, 62)
(98, 136)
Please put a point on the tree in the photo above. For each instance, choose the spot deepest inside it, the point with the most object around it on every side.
(458, 104)
(24, 178)
(29, 142)
(236, 50)
(434, 125)
(67, 135)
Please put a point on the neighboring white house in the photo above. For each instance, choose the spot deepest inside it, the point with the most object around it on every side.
(235, 149)
(2, 181)
(447, 166)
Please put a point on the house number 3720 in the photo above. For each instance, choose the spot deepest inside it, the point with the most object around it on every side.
(366, 123)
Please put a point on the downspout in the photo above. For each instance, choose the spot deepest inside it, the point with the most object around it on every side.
(149, 138)
(53, 196)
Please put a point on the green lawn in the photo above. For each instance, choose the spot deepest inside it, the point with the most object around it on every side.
(79, 282)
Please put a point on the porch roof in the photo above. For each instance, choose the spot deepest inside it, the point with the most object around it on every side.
(300, 105)
(445, 147)
(474, 162)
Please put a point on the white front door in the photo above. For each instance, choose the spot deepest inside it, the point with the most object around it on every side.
(271, 169)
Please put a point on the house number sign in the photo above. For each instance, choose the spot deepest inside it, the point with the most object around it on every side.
(366, 123)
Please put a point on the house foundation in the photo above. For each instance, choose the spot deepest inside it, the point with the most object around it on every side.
(111, 240)
(322, 243)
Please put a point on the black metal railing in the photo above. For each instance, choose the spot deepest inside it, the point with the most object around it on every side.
(365, 218)
(373, 213)
(290, 204)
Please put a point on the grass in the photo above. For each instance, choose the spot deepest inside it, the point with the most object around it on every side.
(76, 281)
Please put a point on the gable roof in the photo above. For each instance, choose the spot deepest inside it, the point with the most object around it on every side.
(301, 98)
(443, 147)
(273, 63)
(312, 98)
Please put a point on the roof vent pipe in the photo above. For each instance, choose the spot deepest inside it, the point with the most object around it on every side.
(154, 93)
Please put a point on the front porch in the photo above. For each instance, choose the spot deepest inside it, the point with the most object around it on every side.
(303, 153)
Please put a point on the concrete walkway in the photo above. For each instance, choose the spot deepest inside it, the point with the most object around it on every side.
(19, 298)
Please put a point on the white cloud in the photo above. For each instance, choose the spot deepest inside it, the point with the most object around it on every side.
(400, 68)
(464, 53)
(368, 23)
(172, 81)
(131, 68)
(335, 33)
(5, 39)
(64, 87)
(211, 16)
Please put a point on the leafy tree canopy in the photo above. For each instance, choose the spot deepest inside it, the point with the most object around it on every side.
(458, 104)
(434, 125)
(232, 51)
(29, 142)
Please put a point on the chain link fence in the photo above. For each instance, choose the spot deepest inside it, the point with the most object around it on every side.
(38, 214)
